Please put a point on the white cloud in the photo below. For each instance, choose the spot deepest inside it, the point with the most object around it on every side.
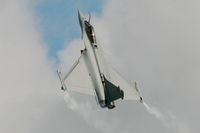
(27, 79)
(153, 42)
(70, 54)
(30, 97)
(157, 44)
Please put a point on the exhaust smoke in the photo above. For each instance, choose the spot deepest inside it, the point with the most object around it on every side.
(168, 119)
(92, 116)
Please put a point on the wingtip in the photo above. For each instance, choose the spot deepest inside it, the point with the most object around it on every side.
(141, 99)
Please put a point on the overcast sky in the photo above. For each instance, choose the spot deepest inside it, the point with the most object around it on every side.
(153, 42)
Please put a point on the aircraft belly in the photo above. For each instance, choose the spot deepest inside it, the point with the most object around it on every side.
(95, 75)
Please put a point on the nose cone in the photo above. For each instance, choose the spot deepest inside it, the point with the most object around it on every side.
(81, 19)
(80, 15)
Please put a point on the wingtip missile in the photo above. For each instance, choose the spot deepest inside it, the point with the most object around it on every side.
(141, 99)
(61, 81)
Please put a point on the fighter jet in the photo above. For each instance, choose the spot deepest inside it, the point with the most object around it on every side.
(91, 74)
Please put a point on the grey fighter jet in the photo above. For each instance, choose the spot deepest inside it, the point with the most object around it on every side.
(92, 75)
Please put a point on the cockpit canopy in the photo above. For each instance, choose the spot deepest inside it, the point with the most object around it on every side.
(90, 32)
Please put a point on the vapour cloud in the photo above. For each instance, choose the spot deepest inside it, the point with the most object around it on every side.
(27, 80)
(91, 115)
(153, 42)
(156, 44)
(168, 119)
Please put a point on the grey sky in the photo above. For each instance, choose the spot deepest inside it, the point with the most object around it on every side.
(153, 42)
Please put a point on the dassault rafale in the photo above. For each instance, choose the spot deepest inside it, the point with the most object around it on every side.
(91, 75)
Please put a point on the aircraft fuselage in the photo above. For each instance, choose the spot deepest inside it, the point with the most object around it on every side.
(94, 66)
